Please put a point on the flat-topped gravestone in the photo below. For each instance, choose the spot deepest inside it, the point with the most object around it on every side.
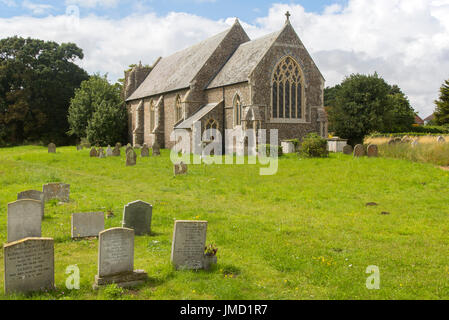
(24, 219)
(156, 149)
(33, 195)
(101, 153)
(145, 151)
(359, 151)
(109, 152)
(131, 157)
(116, 259)
(347, 149)
(180, 168)
(189, 241)
(29, 265)
(87, 224)
(51, 148)
(59, 191)
(137, 216)
(372, 151)
(93, 153)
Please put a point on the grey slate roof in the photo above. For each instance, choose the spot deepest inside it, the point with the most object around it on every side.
(178, 70)
(243, 61)
(188, 123)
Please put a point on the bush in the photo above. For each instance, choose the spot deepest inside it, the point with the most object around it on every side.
(313, 146)
(265, 149)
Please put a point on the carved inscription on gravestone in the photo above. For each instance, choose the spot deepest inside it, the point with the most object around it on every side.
(116, 254)
(189, 240)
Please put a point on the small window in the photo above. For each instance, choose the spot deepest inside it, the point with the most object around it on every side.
(178, 108)
(152, 116)
(237, 111)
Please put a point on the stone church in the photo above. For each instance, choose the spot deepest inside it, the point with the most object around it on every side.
(228, 82)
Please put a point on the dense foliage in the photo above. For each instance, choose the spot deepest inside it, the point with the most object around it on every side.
(37, 80)
(314, 146)
(97, 112)
(442, 111)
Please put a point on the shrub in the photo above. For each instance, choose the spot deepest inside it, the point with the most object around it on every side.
(314, 146)
(265, 149)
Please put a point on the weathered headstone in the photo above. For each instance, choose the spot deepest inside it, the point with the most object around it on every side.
(24, 219)
(359, 151)
(128, 147)
(60, 191)
(51, 148)
(116, 152)
(33, 195)
(347, 149)
(101, 153)
(29, 265)
(180, 168)
(87, 224)
(116, 259)
(93, 153)
(189, 241)
(137, 216)
(156, 149)
(109, 152)
(145, 151)
(288, 147)
(131, 157)
(372, 151)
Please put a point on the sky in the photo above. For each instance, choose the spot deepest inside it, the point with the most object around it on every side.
(405, 41)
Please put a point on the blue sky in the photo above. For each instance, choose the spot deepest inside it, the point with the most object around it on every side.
(247, 10)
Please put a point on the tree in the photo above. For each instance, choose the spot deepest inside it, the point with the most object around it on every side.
(97, 112)
(442, 110)
(37, 80)
(366, 103)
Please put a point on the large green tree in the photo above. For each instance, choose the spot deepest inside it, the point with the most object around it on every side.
(442, 110)
(362, 104)
(37, 80)
(97, 112)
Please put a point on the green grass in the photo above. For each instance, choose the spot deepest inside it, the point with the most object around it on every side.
(435, 153)
(305, 233)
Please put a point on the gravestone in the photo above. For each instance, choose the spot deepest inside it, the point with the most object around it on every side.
(29, 265)
(359, 151)
(137, 216)
(372, 151)
(156, 149)
(33, 195)
(87, 224)
(101, 153)
(93, 153)
(116, 259)
(24, 219)
(51, 148)
(79, 147)
(131, 157)
(180, 168)
(60, 191)
(347, 149)
(145, 152)
(189, 241)
(109, 152)
(288, 147)
(441, 139)
(118, 145)
(116, 152)
(128, 147)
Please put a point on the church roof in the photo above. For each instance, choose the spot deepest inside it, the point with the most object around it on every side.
(188, 123)
(243, 61)
(178, 70)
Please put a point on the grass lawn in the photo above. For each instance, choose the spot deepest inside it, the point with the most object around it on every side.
(305, 233)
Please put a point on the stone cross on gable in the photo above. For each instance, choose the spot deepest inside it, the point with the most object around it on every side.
(288, 15)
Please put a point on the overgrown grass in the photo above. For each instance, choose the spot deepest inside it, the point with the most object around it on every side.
(436, 153)
(305, 233)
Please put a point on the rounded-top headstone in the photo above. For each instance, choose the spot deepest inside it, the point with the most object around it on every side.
(359, 151)
(372, 151)
(156, 149)
(93, 153)
(33, 195)
(145, 151)
(131, 157)
(441, 139)
(347, 149)
(137, 216)
(116, 251)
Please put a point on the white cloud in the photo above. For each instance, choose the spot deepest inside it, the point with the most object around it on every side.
(405, 41)
(93, 3)
(36, 8)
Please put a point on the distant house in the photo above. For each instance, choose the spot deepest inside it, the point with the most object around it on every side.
(429, 119)
(418, 120)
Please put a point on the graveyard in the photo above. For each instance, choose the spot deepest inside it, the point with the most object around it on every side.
(308, 232)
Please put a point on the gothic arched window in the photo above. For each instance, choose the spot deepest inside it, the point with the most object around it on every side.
(178, 107)
(237, 111)
(211, 124)
(287, 90)
(152, 116)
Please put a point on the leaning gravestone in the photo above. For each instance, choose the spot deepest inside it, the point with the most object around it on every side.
(180, 168)
(145, 152)
(116, 259)
(93, 153)
(347, 149)
(189, 241)
(156, 149)
(131, 157)
(85, 225)
(24, 219)
(359, 151)
(137, 216)
(59, 191)
(372, 151)
(51, 148)
(101, 153)
(29, 265)
(33, 195)
(109, 152)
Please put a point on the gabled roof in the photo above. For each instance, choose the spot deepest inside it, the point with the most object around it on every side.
(188, 123)
(430, 118)
(178, 70)
(243, 61)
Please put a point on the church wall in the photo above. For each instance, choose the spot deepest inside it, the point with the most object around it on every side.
(147, 138)
(132, 117)
(170, 115)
